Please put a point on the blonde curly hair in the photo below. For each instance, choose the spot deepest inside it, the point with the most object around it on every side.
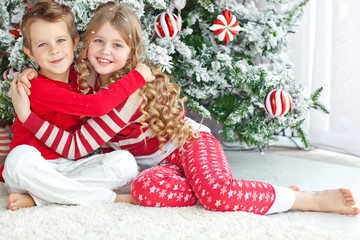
(162, 107)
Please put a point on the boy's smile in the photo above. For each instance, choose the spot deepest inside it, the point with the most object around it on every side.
(53, 48)
(108, 51)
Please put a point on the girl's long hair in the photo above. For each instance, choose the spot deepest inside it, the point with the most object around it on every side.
(162, 107)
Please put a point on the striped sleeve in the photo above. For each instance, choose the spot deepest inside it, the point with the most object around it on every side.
(90, 136)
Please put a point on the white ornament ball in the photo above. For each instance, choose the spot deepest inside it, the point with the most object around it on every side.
(167, 24)
(277, 103)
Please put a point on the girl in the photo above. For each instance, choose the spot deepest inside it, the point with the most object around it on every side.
(184, 162)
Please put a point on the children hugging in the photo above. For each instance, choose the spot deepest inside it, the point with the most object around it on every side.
(50, 38)
(182, 163)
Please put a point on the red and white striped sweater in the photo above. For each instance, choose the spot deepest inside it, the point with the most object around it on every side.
(120, 129)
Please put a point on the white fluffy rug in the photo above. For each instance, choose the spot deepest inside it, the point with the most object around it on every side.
(125, 221)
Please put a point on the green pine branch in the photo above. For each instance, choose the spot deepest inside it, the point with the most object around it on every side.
(295, 13)
(315, 97)
(303, 137)
(316, 94)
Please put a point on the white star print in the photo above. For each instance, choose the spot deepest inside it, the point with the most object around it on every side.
(152, 189)
(186, 197)
(170, 196)
(203, 192)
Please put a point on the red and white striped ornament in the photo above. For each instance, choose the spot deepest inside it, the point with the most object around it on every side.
(30, 3)
(4, 143)
(277, 103)
(167, 24)
(226, 26)
(179, 4)
(15, 32)
(7, 72)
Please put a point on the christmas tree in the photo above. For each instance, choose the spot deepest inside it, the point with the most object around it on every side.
(225, 54)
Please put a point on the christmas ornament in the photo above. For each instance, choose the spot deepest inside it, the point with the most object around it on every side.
(167, 24)
(7, 72)
(30, 2)
(179, 4)
(4, 143)
(277, 103)
(15, 32)
(226, 26)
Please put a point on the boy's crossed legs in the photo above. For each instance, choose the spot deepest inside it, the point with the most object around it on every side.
(32, 180)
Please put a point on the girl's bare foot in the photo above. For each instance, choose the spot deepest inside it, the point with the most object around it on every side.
(336, 200)
(127, 198)
(295, 188)
(20, 200)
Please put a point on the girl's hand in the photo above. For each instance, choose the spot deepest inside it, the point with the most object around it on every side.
(25, 76)
(20, 100)
(145, 71)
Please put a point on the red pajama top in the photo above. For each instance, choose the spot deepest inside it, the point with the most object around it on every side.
(60, 104)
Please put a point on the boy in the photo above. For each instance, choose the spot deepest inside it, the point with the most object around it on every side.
(50, 38)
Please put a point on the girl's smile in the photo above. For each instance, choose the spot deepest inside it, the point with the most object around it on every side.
(108, 51)
(103, 61)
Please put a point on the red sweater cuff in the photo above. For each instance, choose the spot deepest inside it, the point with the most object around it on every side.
(137, 75)
(33, 123)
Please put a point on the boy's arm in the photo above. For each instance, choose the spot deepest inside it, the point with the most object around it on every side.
(25, 76)
(20, 100)
(91, 135)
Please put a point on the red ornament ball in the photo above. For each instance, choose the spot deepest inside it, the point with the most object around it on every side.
(7, 72)
(167, 24)
(277, 103)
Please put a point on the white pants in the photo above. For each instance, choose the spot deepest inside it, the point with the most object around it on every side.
(89, 181)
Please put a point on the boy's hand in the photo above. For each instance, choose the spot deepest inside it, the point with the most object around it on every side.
(25, 76)
(145, 71)
(20, 100)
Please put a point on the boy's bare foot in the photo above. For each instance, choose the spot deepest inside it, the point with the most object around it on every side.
(127, 198)
(20, 200)
(336, 200)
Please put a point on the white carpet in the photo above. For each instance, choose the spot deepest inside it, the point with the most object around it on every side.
(125, 221)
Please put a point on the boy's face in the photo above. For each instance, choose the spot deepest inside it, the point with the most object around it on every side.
(108, 51)
(52, 47)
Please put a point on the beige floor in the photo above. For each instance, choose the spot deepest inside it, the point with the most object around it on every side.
(316, 169)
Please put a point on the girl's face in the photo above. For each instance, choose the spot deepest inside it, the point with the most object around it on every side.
(108, 52)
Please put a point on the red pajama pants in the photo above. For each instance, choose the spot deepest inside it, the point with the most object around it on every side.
(200, 171)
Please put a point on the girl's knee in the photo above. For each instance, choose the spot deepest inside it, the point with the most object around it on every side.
(157, 187)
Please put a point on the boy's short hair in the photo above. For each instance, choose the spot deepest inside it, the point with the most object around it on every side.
(50, 11)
